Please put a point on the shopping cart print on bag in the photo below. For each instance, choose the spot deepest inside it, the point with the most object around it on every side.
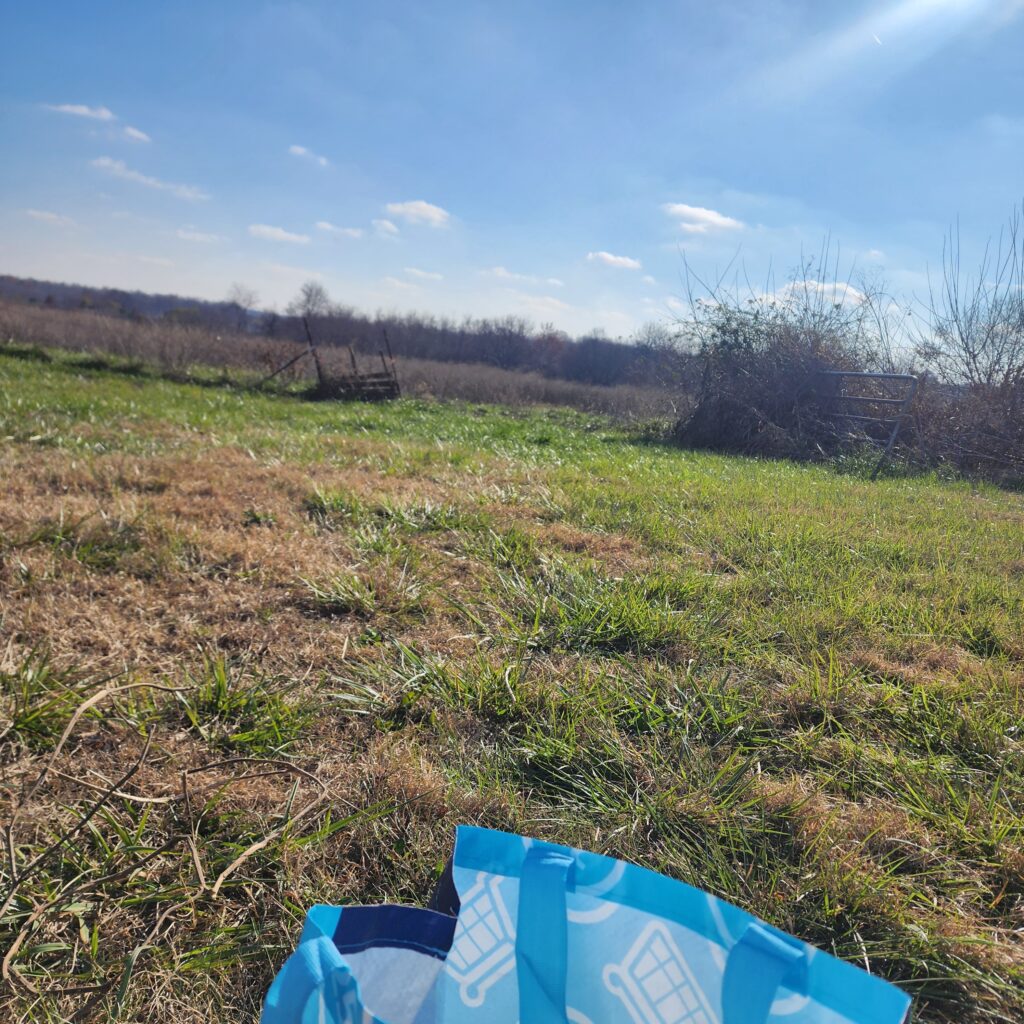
(656, 984)
(484, 948)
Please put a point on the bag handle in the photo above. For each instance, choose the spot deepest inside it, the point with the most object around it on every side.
(542, 933)
(304, 975)
(761, 960)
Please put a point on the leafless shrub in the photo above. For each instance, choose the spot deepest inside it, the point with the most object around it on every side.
(762, 356)
(975, 430)
(975, 332)
(971, 413)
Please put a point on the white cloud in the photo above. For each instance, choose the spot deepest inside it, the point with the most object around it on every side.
(98, 114)
(81, 110)
(118, 169)
(48, 217)
(698, 220)
(424, 275)
(308, 154)
(417, 211)
(835, 292)
(385, 227)
(333, 229)
(623, 262)
(675, 304)
(647, 279)
(406, 286)
(156, 261)
(504, 274)
(272, 234)
(540, 305)
(190, 234)
(875, 255)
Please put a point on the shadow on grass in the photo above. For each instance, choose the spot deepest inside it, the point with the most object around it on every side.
(855, 464)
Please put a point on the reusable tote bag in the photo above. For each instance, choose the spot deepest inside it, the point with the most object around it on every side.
(544, 934)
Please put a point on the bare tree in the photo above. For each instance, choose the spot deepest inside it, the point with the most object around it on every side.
(975, 330)
(890, 325)
(243, 300)
(311, 301)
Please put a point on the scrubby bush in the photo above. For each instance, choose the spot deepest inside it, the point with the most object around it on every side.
(971, 412)
(763, 353)
(763, 356)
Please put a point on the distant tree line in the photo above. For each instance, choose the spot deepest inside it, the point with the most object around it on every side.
(749, 365)
(506, 342)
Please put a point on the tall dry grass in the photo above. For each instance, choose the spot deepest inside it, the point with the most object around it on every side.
(175, 349)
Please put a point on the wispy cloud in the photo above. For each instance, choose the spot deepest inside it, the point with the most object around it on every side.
(98, 114)
(118, 169)
(385, 227)
(405, 286)
(418, 211)
(190, 234)
(424, 275)
(699, 220)
(835, 292)
(308, 154)
(333, 229)
(49, 217)
(272, 234)
(610, 260)
(81, 110)
(647, 279)
(503, 274)
(156, 261)
(540, 305)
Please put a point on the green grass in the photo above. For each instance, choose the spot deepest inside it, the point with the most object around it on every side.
(232, 710)
(791, 686)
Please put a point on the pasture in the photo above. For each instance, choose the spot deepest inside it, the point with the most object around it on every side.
(257, 653)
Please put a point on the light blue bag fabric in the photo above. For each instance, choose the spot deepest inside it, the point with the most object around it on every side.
(545, 934)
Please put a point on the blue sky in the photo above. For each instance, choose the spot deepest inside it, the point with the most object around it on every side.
(548, 159)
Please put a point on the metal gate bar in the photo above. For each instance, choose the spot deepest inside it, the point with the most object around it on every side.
(902, 404)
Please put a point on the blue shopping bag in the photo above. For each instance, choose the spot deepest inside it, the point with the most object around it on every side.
(542, 934)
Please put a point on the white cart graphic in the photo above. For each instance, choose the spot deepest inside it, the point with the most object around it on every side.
(484, 950)
(656, 984)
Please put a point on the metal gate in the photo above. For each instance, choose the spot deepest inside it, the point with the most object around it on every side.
(879, 399)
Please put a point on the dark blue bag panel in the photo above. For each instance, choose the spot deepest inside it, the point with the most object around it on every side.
(425, 931)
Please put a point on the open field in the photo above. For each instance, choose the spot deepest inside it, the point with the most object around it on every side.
(179, 351)
(258, 653)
